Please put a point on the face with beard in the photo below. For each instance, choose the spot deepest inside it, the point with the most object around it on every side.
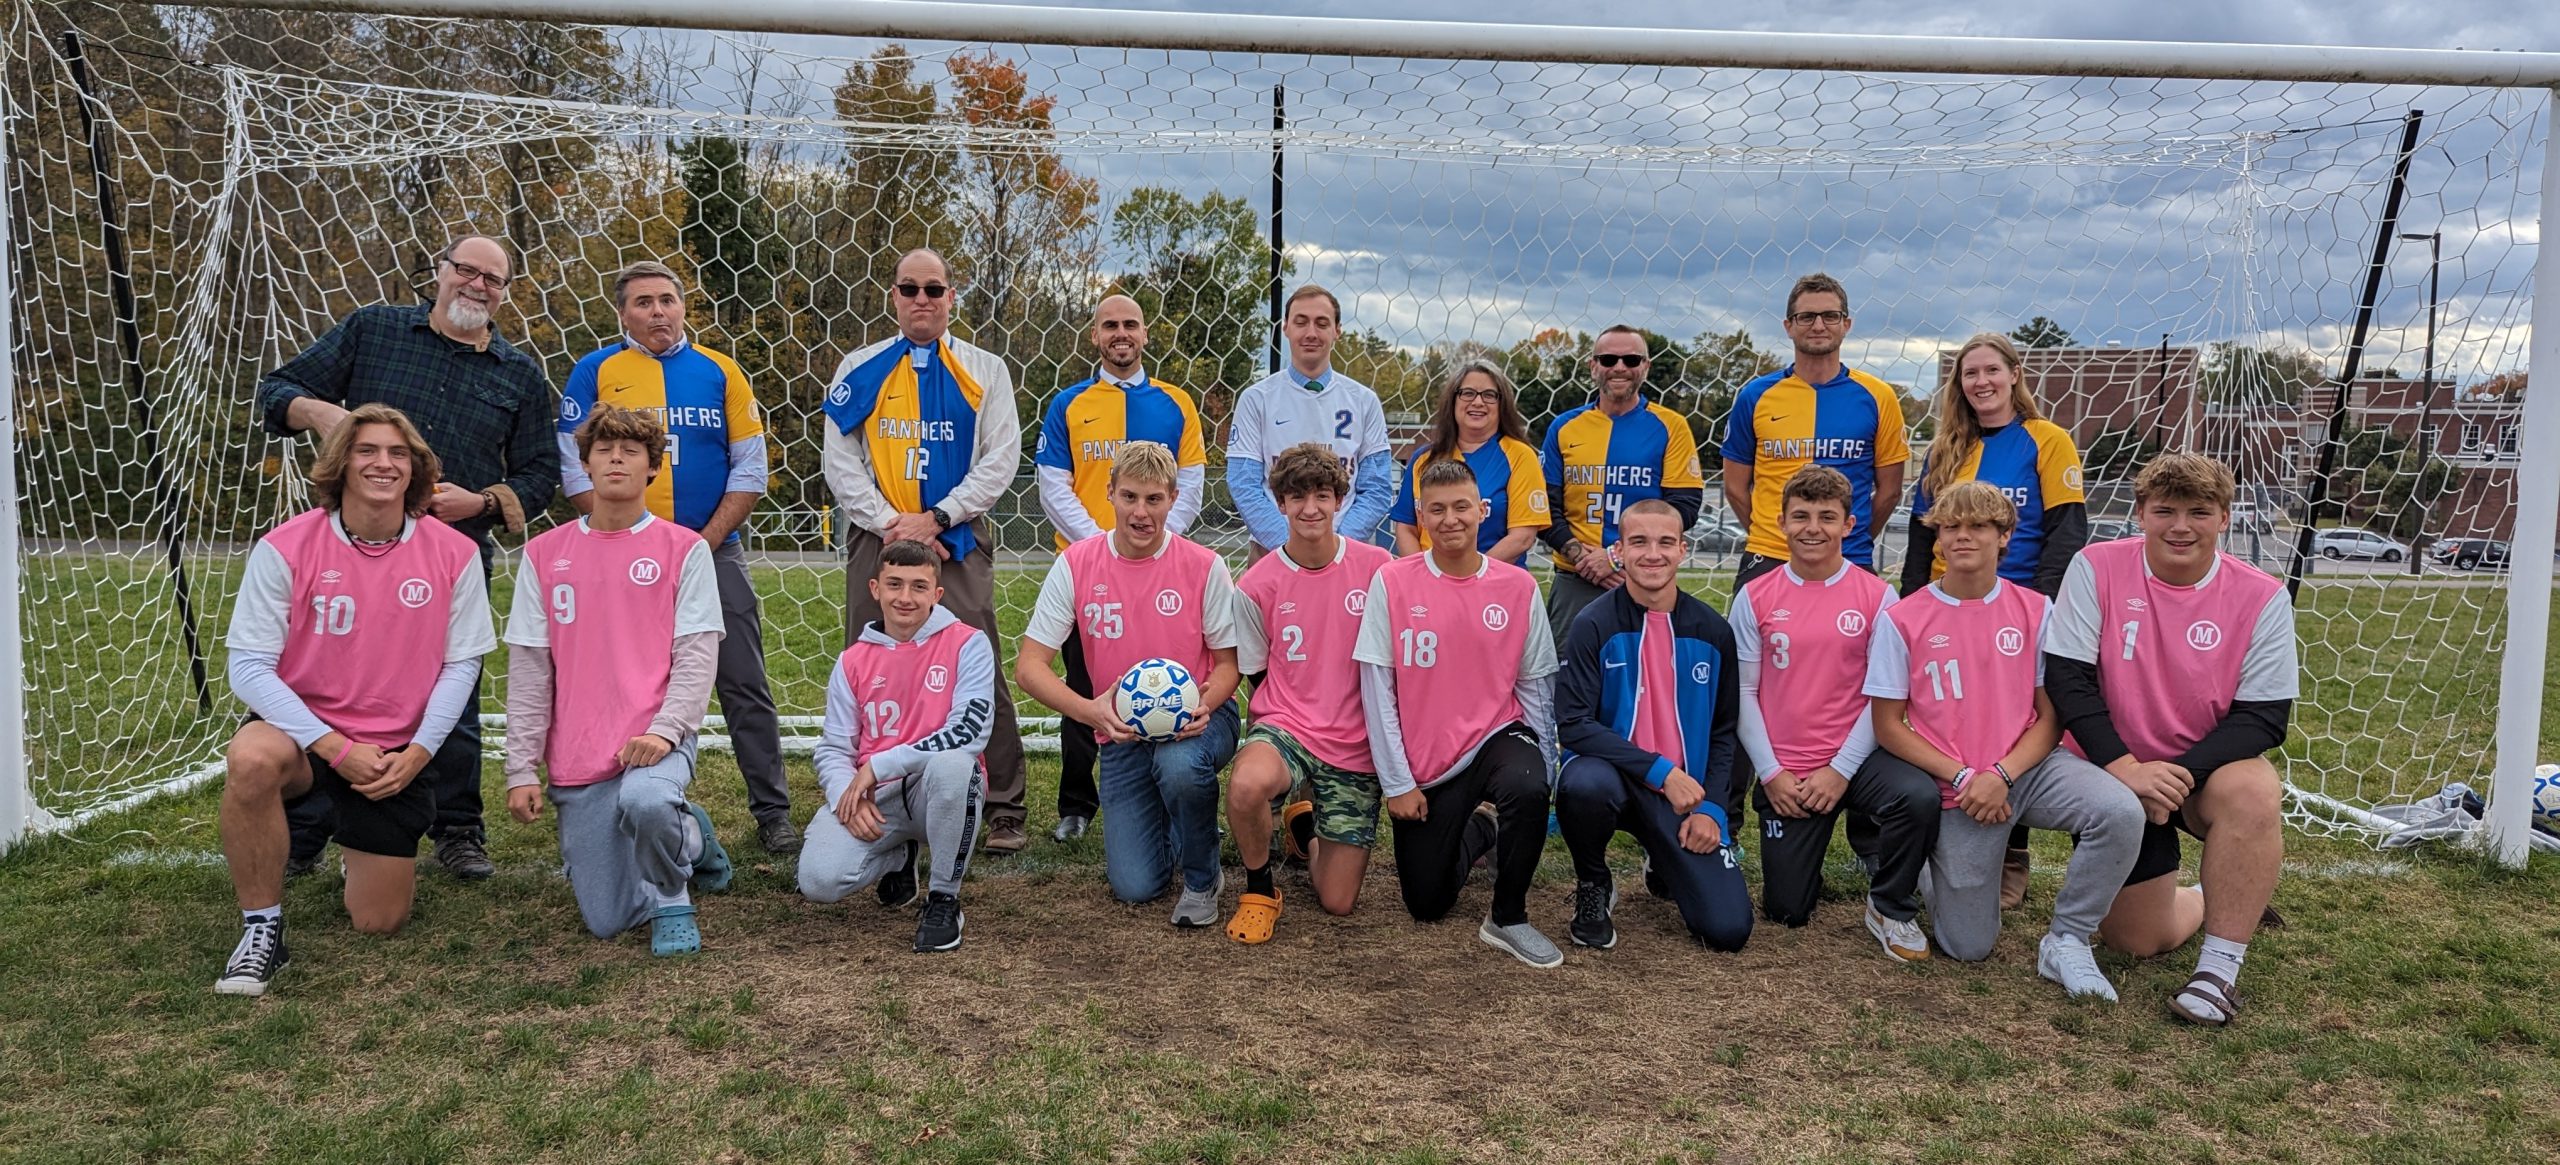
(469, 283)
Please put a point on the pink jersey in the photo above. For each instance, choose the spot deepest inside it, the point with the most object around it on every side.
(1133, 609)
(1457, 646)
(1811, 640)
(1309, 620)
(1969, 667)
(611, 601)
(2170, 659)
(1657, 725)
(365, 636)
(902, 692)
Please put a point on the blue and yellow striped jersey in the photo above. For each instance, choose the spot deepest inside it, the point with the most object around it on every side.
(916, 409)
(1514, 485)
(1607, 463)
(1853, 423)
(701, 396)
(2036, 464)
(1085, 425)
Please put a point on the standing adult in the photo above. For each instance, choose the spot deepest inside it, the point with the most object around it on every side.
(714, 474)
(923, 439)
(1478, 419)
(1603, 457)
(1080, 433)
(1816, 411)
(1310, 400)
(1990, 430)
(486, 410)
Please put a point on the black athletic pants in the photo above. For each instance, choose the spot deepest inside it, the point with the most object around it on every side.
(1431, 854)
(1078, 796)
(1899, 802)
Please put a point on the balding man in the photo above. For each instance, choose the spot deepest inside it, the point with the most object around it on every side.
(922, 440)
(1080, 433)
(487, 410)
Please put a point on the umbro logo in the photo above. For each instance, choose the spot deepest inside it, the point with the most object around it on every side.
(1288, 608)
(330, 576)
(559, 564)
(1939, 641)
(2136, 604)
(1782, 616)
(1418, 611)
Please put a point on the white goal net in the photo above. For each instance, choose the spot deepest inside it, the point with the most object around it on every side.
(2187, 260)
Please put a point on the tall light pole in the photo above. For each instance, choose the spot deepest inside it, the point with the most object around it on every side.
(2427, 394)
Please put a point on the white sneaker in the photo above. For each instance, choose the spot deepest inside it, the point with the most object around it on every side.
(1198, 908)
(1521, 941)
(1902, 938)
(2070, 962)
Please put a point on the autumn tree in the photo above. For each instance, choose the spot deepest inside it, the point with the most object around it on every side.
(1026, 222)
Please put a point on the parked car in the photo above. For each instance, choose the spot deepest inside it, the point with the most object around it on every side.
(1717, 534)
(2110, 529)
(2472, 553)
(2349, 542)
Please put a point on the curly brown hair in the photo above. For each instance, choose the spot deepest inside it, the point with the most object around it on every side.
(1303, 469)
(615, 423)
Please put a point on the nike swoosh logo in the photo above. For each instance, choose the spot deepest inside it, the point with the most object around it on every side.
(1613, 663)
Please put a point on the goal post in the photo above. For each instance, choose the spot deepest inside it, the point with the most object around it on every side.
(2174, 232)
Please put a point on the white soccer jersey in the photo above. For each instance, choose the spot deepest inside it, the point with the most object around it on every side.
(1278, 411)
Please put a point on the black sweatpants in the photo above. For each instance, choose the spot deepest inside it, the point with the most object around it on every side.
(1078, 796)
(1900, 805)
(1431, 856)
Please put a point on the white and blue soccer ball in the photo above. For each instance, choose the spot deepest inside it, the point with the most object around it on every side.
(2546, 795)
(1156, 699)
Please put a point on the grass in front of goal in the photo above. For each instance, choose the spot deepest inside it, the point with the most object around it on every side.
(2401, 1017)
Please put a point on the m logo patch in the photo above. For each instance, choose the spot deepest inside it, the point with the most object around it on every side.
(1701, 672)
(841, 394)
(1355, 601)
(416, 593)
(2071, 478)
(645, 571)
(936, 678)
(571, 410)
(2204, 635)
(1168, 602)
(1495, 618)
(1852, 623)
(2010, 641)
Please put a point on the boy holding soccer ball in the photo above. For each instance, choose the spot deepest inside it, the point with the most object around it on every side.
(1457, 678)
(1134, 593)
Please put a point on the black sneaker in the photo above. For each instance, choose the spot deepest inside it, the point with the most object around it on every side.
(1483, 830)
(464, 857)
(1654, 883)
(939, 929)
(255, 961)
(897, 888)
(1592, 903)
(778, 837)
(298, 867)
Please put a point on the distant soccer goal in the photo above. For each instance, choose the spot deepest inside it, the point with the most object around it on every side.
(2254, 268)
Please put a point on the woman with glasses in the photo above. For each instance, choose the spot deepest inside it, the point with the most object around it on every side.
(1990, 430)
(1479, 421)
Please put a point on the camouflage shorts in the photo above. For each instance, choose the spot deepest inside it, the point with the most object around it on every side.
(1346, 803)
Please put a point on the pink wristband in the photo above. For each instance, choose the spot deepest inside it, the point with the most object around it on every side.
(344, 753)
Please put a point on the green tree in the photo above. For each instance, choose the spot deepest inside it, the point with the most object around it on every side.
(2385, 483)
(1719, 364)
(2117, 453)
(895, 196)
(727, 228)
(2237, 373)
(1202, 272)
(2042, 332)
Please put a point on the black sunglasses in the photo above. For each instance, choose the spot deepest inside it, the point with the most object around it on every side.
(1613, 360)
(928, 290)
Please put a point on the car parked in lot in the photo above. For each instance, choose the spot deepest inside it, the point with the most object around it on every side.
(2472, 553)
(2350, 542)
(2110, 529)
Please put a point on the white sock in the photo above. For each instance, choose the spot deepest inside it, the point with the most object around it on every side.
(2222, 957)
(692, 828)
(661, 899)
(263, 916)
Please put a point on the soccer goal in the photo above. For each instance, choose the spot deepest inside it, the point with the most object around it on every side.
(2316, 264)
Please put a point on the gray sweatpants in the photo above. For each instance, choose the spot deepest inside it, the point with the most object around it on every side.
(938, 807)
(630, 842)
(2063, 793)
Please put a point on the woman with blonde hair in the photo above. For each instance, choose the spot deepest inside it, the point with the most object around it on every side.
(1478, 421)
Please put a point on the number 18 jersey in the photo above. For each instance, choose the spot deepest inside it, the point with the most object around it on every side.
(1459, 647)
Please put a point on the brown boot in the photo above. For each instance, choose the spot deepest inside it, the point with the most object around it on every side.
(2013, 880)
(1005, 835)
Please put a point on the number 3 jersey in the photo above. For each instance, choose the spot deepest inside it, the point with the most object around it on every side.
(1969, 667)
(2171, 660)
(1297, 625)
(893, 704)
(609, 605)
(359, 633)
(1811, 640)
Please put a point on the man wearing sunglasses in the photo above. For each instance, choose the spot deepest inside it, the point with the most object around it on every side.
(1603, 457)
(1816, 411)
(921, 440)
(488, 411)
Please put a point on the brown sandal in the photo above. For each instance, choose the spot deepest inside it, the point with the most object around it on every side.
(2211, 990)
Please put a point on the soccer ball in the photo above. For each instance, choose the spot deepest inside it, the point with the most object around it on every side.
(2546, 795)
(1157, 699)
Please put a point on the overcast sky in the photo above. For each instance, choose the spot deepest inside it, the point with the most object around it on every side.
(1458, 201)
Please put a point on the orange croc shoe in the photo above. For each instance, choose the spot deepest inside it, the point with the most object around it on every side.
(1297, 818)
(1256, 914)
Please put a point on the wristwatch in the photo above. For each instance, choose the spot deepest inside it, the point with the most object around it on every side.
(941, 521)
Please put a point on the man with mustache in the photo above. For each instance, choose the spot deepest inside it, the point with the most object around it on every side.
(487, 410)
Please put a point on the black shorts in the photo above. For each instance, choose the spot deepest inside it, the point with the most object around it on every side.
(2160, 850)
(391, 827)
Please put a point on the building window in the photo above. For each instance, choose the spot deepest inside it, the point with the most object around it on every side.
(2471, 437)
(2507, 442)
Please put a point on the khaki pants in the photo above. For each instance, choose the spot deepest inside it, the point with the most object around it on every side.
(969, 589)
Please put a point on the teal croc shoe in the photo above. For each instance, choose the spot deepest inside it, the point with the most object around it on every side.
(710, 871)
(672, 932)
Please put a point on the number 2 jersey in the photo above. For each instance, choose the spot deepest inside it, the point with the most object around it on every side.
(1969, 668)
(609, 605)
(1296, 625)
(358, 634)
(2172, 660)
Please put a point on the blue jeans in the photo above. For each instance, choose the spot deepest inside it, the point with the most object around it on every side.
(1160, 809)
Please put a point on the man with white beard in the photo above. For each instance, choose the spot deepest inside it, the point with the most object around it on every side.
(488, 411)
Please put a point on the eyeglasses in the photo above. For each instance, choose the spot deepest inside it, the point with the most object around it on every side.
(1614, 360)
(1806, 319)
(927, 290)
(1478, 394)
(494, 281)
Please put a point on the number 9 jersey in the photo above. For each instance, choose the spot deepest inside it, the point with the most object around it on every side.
(609, 606)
